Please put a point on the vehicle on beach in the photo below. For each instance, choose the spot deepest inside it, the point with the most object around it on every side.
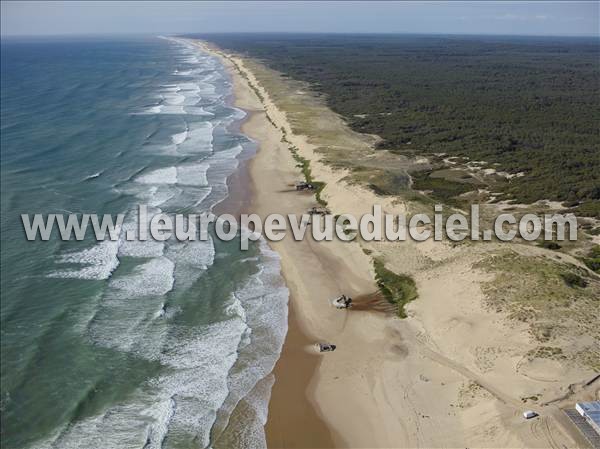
(529, 414)
(300, 186)
(325, 347)
(316, 210)
(342, 302)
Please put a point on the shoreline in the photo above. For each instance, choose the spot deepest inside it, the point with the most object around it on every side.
(295, 368)
(301, 424)
(297, 417)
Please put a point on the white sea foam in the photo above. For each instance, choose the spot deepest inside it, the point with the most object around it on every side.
(161, 415)
(93, 176)
(177, 109)
(188, 174)
(199, 379)
(172, 109)
(263, 302)
(98, 262)
(160, 176)
(157, 196)
(238, 114)
(188, 86)
(188, 198)
(194, 255)
(192, 59)
(214, 367)
(174, 99)
(179, 138)
(139, 248)
(247, 430)
(125, 319)
(119, 427)
(154, 277)
(191, 259)
(154, 109)
(223, 163)
(202, 133)
(162, 195)
(211, 77)
(198, 110)
(206, 88)
(153, 195)
(198, 140)
(193, 174)
(200, 195)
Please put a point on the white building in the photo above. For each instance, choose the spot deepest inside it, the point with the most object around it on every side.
(591, 412)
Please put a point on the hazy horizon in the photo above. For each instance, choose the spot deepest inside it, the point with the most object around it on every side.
(275, 33)
(535, 18)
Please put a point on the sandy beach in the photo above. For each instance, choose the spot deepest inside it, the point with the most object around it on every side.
(453, 374)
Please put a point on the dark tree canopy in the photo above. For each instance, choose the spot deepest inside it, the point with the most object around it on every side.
(529, 104)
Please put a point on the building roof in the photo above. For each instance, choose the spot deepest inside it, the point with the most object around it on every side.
(591, 411)
(593, 406)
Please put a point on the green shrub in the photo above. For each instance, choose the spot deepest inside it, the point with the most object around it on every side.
(573, 280)
(398, 289)
(442, 189)
(550, 245)
(592, 260)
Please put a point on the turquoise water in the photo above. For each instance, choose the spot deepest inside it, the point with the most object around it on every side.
(128, 344)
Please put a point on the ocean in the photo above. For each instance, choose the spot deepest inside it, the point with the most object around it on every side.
(120, 344)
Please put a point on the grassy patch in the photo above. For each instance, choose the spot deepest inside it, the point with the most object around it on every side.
(443, 189)
(386, 182)
(592, 261)
(270, 120)
(250, 84)
(398, 289)
(574, 280)
(558, 301)
(304, 165)
(533, 398)
(550, 245)
(587, 209)
(546, 352)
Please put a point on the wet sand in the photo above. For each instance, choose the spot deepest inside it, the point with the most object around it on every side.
(293, 419)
